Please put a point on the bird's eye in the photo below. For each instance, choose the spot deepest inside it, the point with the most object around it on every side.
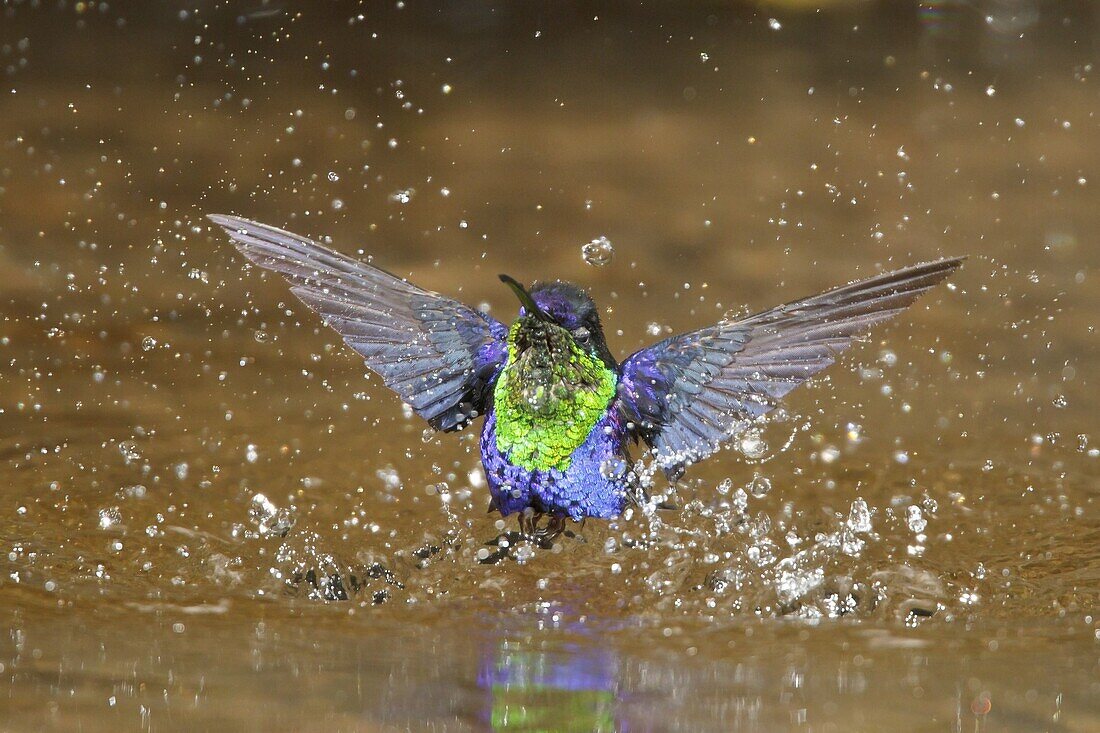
(582, 335)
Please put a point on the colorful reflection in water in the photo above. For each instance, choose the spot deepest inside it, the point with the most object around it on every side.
(569, 687)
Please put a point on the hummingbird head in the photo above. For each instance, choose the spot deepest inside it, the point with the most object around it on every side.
(564, 306)
(556, 350)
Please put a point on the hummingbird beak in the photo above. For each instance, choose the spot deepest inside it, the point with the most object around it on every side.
(526, 300)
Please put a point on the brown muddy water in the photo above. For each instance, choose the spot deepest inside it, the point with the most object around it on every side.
(914, 545)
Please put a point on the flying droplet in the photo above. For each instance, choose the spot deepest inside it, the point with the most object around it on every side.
(760, 486)
(613, 469)
(109, 517)
(598, 252)
(752, 444)
(915, 519)
(859, 517)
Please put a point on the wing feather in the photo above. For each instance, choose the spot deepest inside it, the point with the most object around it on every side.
(438, 355)
(688, 394)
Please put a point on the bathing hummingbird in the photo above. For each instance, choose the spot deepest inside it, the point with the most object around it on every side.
(560, 413)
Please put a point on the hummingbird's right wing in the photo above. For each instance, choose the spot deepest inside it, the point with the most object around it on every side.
(439, 355)
(688, 394)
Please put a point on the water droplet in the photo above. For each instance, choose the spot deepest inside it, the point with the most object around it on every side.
(859, 517)
(109, 517)
(613, 469)
(402, 196)
(915, 519)
(268, 518)
(137, 491)
(760, 486)
(752, 444)
(598, 252)
(129, 451)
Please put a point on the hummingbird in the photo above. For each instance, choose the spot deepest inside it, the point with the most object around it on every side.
(560, 414)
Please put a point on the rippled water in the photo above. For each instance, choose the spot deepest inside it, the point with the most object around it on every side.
(212, 520)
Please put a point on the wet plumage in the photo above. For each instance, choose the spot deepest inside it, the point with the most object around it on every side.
(561, 415)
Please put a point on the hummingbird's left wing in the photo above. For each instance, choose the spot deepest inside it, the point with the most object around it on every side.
(688, 394)
(436, 353)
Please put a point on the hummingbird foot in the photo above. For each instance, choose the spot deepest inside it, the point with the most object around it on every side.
(543, 535)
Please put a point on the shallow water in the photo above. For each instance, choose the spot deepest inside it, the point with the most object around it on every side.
(212, 520)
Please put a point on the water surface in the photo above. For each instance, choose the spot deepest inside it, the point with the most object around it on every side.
(213, 520)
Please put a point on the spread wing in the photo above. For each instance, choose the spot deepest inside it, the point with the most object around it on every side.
(689, 393)
(437, 354)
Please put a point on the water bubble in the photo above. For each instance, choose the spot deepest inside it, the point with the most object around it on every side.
(774, 24)
(109, 517)
(901, 457)
(148, 343)
(829, 454)
(181, 471)
(251, 454)
(760, 486)
(1060, 401)
(598, 252)
(990, 90)
(402, 196)
(654, 329)
(337, 204)
(724, 486)
(260, 336)
(333, 176)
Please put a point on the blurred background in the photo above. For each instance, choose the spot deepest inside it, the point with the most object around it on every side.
(214, 519)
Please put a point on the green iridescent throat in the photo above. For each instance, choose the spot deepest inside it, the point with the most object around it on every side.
(549, 396)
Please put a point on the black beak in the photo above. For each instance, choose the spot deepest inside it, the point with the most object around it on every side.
(525, 299)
